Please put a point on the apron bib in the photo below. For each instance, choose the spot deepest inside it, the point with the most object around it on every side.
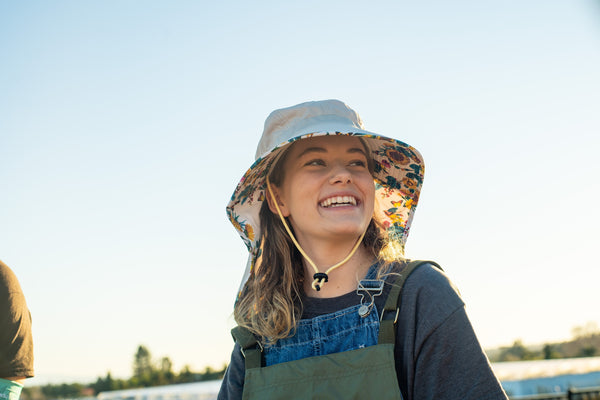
(367, 373)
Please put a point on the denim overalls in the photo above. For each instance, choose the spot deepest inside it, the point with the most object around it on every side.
(341, 355)
(340, 331)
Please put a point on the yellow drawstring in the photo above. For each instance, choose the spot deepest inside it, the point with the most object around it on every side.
(319, 277)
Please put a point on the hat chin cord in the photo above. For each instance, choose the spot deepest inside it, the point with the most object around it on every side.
(319, 277)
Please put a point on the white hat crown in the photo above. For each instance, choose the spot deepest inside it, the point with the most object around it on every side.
(313, 116)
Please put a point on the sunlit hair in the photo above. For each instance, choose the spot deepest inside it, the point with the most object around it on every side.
(270, 303)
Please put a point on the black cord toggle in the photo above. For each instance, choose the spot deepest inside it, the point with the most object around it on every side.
(320, 277)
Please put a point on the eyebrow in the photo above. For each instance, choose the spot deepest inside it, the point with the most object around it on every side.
(322, 150)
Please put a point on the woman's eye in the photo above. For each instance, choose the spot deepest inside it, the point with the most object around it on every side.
(315, 162)
(358, 163)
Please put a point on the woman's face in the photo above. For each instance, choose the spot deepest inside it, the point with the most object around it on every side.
(327, 190)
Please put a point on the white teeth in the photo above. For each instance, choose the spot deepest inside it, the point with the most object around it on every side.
(338, 201)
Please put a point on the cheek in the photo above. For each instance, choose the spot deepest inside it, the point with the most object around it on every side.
(371, 206)
(295, 193)
(370, 197)
(301, 185)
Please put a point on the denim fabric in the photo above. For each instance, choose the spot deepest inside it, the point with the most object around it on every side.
(343, 330)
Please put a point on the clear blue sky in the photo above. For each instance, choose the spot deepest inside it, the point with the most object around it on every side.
(124, 127)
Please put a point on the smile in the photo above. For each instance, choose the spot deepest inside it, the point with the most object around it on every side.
(338, 201)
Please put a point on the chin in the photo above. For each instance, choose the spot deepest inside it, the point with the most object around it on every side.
(350, 232)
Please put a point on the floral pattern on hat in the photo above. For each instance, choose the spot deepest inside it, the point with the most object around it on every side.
(398, 176)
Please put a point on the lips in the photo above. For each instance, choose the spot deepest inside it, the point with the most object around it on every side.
(339, 201)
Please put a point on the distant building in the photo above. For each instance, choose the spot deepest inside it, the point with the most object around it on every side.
(525, 378)
(207, 390)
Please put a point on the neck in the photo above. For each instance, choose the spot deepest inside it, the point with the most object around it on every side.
(342, 279)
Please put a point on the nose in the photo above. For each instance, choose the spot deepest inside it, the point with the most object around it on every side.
(340, 174)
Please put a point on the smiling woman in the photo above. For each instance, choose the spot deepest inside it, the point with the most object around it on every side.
(327, 194)
(325, 211)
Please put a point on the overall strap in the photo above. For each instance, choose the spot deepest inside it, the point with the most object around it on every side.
(249, 345)
(391, 310)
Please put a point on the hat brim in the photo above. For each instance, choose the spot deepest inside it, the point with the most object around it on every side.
(398, 176)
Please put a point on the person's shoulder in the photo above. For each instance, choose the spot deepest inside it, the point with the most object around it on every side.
(429, 283)
(8, 280)
(428, 299)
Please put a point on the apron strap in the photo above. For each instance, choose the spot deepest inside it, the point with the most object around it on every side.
(391, 310)
(249, 345)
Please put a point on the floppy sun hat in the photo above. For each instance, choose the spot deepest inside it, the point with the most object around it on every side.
(397, 169)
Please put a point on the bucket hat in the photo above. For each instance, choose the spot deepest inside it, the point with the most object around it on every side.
(398, 169)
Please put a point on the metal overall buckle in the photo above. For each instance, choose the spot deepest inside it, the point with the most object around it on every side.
(372, 288)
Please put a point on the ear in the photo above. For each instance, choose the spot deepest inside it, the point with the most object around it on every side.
(271, 201)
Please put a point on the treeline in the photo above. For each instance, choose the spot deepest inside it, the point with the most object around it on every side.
(146, 373)
(585, 343)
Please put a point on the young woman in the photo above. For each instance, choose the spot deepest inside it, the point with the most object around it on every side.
(328, 307)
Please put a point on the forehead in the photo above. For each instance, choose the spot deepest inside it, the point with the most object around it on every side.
(337, 143)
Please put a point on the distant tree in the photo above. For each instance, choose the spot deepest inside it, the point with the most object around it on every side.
(585, 340)
(587, 351)
(550, 352)
(165, 364)
(164, 374)
(517, 352)
(186, 375)
(102, 385)
(109, 381)
(210, 374)
(585, 331)
(62, 391)
(142, 367)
